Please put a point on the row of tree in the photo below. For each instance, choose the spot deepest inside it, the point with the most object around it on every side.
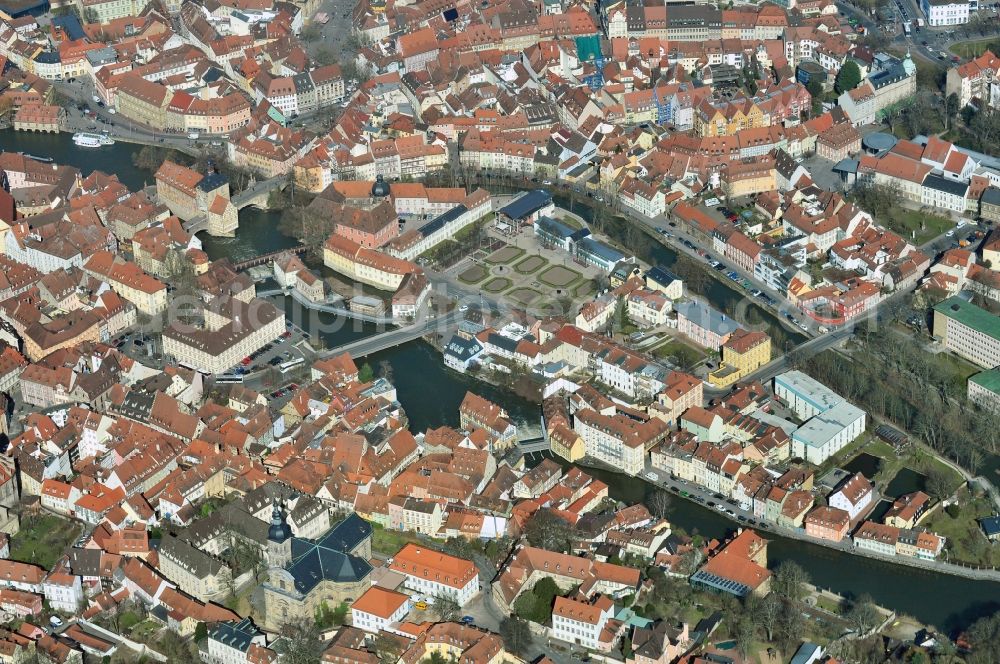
(903, 384)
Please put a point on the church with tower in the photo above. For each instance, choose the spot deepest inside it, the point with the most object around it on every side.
(303, 573)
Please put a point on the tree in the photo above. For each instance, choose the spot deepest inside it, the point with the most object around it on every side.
(659, 503)
(366, 374)
(447, 608)
(302, 643)
(387, 648)
(536, 605)
(693, 274)
(690, 560)
(939, 484)
(201, 631)
(309, 226)
(516, 634)
(744, 634)
(984, 638)
(951, 107)
(548, 531)
(815, 89)
(311, 33)
(864, 615)
(877, 199)
(790, 581)
(789, 627)
(848, 77)
(176, 648)
(325, 56)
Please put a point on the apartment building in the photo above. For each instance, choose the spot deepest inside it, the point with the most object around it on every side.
(582, 623)
(476, 412)
(377, 609)
(743, 353)
(67, 331)
(195, 572)
(436, 574)
(148, 294)
(945, 12)
(230, 642)
(530, 564)
(984, 389)
(704, 325)
(189, 194)
(619, 441)
(365, 265)
(854, 495)
(976, 79)
(233, 330)
(829, 523)
(63, 592)
(968, 331)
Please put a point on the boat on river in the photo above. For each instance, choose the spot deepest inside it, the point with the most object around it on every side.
(85, 139)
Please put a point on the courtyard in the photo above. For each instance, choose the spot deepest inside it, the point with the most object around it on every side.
(524, 273)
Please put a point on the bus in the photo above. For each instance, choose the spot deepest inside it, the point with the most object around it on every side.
(228, 378)
(285, 367)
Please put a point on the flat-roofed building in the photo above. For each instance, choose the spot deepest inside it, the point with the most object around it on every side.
(984, 389)
(968, 331)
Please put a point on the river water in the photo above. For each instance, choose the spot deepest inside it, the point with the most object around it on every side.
(431, 394)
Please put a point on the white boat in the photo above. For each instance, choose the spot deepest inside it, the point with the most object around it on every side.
(88, 140)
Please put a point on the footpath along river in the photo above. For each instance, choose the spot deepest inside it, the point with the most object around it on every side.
(431, 395)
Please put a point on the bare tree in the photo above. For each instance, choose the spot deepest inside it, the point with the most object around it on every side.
(659, 503)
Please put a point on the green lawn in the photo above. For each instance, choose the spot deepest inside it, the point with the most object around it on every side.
(965, 540)
(685, 355)
(42, 539)
(389, 542)
(572, 222)
(974, 48)
(926, 226)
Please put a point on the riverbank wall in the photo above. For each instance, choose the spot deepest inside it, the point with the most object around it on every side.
(843, 546)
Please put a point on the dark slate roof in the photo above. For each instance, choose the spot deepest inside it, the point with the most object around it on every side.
(991, 196)
(85, 562)
(347, 534)
(462, 348)
(441, 220)
(555, 228)
(70, 24)
(939, 183)
(661, 275)
(238, 635)
(328, 558)
(500, 341)
(212, 181)
(990, 525)
(529, 203)
(597, 248)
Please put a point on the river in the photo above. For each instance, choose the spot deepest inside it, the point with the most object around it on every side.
(431, 394)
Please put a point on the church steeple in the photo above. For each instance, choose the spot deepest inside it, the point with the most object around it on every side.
(279, 530)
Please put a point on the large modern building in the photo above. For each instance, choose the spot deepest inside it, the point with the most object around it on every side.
(984, 389)
(968, 331)
(831, 422)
